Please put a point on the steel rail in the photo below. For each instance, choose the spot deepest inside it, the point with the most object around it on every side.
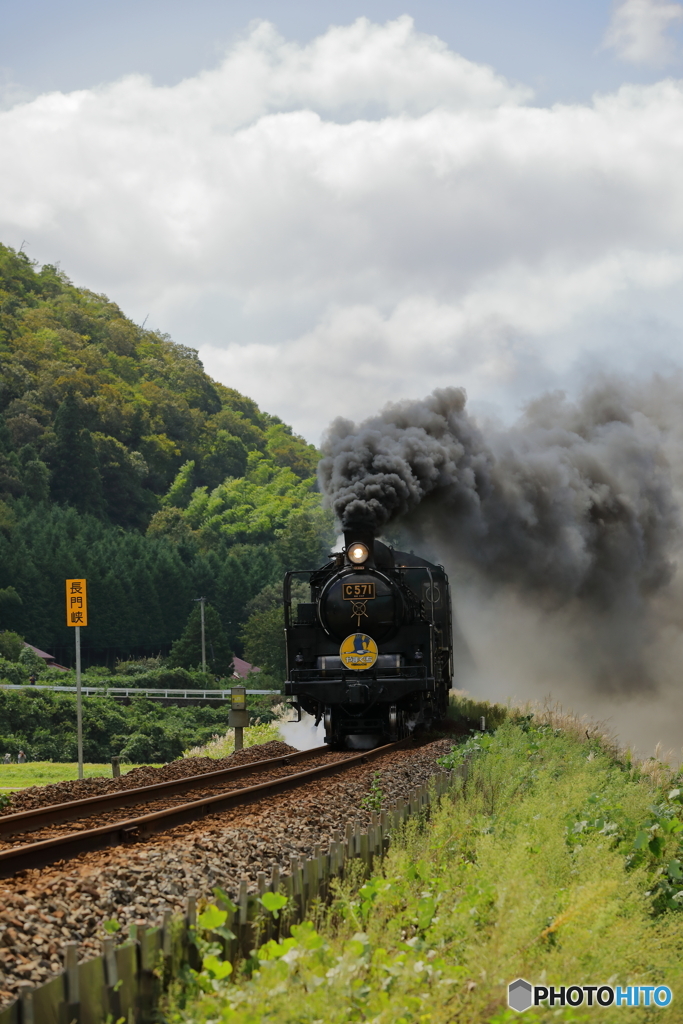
(47, 851)
(56, 814)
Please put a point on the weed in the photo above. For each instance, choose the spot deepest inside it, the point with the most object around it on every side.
(223, 746)
(374, 798)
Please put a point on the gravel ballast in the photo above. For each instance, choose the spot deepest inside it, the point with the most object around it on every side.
(146, 775)
(42, 909)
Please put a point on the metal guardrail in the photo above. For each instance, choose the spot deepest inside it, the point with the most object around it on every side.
(133, 691)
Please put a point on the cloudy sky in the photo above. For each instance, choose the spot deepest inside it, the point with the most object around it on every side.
(341, 204)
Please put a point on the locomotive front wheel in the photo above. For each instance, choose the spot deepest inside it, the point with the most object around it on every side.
(393, 722)
(327, 720)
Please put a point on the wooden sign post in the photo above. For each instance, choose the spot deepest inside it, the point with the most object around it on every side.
(77, 616)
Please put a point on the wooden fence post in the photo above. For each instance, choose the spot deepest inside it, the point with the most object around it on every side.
(27, 1015)
(73, 999)
(111, 978)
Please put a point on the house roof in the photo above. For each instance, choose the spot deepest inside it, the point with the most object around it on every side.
(243, 668)
(47, 658)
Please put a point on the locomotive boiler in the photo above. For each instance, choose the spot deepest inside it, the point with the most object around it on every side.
(371, 653)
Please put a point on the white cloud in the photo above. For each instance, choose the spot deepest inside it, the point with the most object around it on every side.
(637, 31)
(362, 218)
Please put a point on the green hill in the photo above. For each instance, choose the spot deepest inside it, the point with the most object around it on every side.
(123, 461)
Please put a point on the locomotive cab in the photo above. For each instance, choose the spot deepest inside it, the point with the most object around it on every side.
(371, 653)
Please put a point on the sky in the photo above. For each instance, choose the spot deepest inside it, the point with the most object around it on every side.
(345, 204)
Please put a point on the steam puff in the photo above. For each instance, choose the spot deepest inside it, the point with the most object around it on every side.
(576, 501)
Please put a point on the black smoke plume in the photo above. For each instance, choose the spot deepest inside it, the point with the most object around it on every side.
(573, 505)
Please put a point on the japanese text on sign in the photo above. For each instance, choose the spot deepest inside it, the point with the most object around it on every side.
(76, 603)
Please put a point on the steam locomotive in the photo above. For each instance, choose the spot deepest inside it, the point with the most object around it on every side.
(371, 654)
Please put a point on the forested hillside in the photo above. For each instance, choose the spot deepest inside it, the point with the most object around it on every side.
(122, 461)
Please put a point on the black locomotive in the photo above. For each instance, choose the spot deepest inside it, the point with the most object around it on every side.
(371, 653)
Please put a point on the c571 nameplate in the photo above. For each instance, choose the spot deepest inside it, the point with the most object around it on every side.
(364, 591)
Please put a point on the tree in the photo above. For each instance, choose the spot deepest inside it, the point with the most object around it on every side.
(264, 641)
(306, 540)
(264, 631)
(76, 478)
(181, 489)
(227, 457)
(11, 645)
(187, 651)
(288, 449)
(122, 474)
(36, 477)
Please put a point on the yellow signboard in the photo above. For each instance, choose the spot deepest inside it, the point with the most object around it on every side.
(76, 603)
(358, 652)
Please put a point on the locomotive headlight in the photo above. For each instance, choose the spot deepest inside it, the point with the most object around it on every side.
(358, 553)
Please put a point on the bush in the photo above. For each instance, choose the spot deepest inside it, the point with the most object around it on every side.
(136, 668)
(11, 645)
(57, 677)
(43, 724)
(155, 746)
(169, 679)
(12, 672)
(158, 679)
(33, 664)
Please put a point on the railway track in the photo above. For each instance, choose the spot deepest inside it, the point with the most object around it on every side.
(67, 845)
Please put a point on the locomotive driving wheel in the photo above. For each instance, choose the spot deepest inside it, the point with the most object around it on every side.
(395, 723)
(327, 721)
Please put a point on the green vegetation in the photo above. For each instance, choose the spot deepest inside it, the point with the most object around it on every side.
(187, 651)
(468, 712)
(263, 632)
(557, 860)
(42, 773)
(43, 725)
(122, 461)
(223, 746)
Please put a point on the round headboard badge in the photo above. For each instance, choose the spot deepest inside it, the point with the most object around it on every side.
(358, 652)
(358, 553)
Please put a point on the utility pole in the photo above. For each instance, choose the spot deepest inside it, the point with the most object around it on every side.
(201, 606)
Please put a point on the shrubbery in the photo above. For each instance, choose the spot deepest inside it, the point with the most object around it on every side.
(43, 725)
(13, 672)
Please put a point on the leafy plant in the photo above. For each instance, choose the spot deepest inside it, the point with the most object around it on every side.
(273, 902)
(213, 920)
(218, 969)
(374, 798)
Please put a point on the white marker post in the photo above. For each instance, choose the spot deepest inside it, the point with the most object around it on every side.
(77, 616)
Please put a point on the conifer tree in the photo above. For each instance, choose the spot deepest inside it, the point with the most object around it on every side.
(187, 651)
(76, 476)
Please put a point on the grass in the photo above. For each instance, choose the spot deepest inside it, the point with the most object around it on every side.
(41, 773)
(223, 746)
(559, 861)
